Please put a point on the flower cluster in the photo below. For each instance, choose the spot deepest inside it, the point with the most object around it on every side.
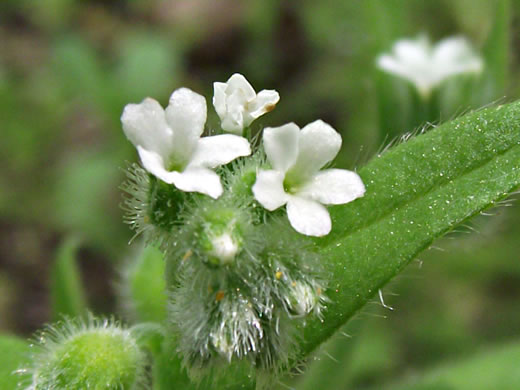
(171, 148)
(427, 66)
(240, 275)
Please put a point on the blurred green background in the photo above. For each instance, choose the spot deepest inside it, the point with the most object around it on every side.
(68, 67)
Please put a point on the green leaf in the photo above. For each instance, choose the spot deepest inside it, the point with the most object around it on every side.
(495, 369)
(14, 356)
(415, 193)
(67, 293)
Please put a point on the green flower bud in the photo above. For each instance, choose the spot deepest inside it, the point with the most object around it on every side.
(221, 238)
(98, 355)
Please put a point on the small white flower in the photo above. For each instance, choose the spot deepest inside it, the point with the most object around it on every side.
(296, 180)
(170, 146)
(237, 103)
(426, 66)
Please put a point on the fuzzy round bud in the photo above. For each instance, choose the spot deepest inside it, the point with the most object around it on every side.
(221, 237)
(302, 299)
(97, 355)
(225, 248)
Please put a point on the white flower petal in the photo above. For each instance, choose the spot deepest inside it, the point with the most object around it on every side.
(186, 116)
(318, 144)
(265, 102)
(415, 52)
(219, 150)
(454, 55)
(389, 64)
(452, 48)
(232, 126)
(268, 189)
(144, 125)
(154, 164)
(233, 120)
(240, 83)
(308, 217)
(333, 186)
(219, 98)
(417, 75)
(412, 60)
(281, 145)
(195, 179)
(199, 179)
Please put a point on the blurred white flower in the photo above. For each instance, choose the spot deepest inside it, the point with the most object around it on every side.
(426, 66)
(237, 104)
(296, 180)
(170, 146)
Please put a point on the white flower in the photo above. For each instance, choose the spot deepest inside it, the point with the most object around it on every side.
(296, 180)
(237, 103)
(426, 66)
(170, 146)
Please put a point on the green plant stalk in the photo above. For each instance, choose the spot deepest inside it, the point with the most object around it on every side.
(67, 292)
(416, 192)
(496, 51)
(146, 286)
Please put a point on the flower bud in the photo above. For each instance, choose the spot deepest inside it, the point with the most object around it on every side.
(221, 238)
(302, 299)
(97, 355)
(224, 248)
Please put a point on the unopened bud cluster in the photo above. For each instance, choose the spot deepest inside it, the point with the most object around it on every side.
(240, 268)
